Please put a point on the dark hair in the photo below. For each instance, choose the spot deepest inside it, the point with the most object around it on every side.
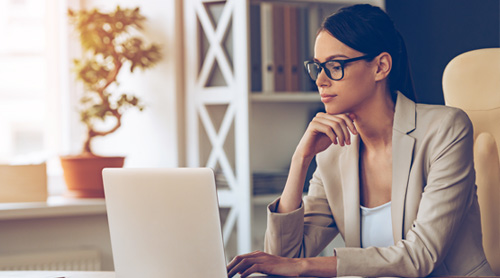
(370, 30)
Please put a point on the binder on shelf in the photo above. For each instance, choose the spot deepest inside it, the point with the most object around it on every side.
(305, 48)
(291, 48)
(269, 182)
(266, 31)
(287, 36)
(278, 45)
(255, 49)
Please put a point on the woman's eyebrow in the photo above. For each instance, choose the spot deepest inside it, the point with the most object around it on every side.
(332, 57)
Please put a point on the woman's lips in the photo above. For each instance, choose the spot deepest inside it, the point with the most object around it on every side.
(327, 98)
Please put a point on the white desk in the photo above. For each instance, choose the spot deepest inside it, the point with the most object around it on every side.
(55, 274)
(105, 274)
(78, 274)
(70, 274)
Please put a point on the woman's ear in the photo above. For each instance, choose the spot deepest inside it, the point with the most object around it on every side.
(384, 65)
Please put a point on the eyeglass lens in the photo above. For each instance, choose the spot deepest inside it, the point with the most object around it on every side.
(333, 68)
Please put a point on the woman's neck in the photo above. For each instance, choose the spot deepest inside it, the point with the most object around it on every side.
(374, 122)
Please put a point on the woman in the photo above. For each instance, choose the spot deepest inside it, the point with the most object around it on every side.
(395, 178)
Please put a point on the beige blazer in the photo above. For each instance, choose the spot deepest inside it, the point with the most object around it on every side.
(435, 213)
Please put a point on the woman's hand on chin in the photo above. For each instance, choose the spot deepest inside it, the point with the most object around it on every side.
(324, 130)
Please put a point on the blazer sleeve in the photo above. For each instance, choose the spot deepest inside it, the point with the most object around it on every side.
(304, 232)
(445, 200)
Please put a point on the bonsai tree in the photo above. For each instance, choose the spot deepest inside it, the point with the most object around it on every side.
(110, 43)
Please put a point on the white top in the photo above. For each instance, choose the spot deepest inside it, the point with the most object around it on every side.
(376, 226)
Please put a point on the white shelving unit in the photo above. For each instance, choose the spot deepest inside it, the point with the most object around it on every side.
(230, 128)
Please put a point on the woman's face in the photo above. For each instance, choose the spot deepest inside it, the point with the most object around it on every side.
(355, 88)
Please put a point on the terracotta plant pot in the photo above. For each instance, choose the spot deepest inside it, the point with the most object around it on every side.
(83, 174)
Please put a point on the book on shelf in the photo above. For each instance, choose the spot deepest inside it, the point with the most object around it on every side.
(291, 48)
(269, 182)
(278, 45)
(266, 182)
(265, 46)
(281, 46)
(263, 182)
(306, 36)
(221, 181)
(257, 71)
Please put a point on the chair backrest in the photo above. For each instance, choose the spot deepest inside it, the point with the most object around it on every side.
(471, 81)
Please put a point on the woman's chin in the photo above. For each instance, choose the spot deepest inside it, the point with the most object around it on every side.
(333, 110)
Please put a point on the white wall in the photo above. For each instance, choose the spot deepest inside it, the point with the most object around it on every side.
(154, 137)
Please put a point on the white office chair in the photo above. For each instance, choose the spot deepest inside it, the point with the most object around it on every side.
(471, 81)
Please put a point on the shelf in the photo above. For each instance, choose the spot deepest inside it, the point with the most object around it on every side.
(56, 206)
(285, 97)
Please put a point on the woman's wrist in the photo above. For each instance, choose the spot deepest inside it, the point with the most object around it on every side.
(318, 267)
(291, 198)
(301, 160)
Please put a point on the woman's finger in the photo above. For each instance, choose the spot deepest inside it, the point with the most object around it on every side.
(345, 122)
(237, 260)
(239, 267)
(325, 129)
(347, 118)
(341, 131)
(233, 262)
(242, 262)
(254, 268)
(338, 126)
(263, 263)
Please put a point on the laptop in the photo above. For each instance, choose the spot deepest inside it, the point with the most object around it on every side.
(164, 223)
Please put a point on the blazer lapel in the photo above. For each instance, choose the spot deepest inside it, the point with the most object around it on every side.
(349, 174)
(402, 155)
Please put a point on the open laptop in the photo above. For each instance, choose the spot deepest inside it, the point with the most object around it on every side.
(164, 223)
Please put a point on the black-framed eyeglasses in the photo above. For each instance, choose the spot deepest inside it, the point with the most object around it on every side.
(334, 69)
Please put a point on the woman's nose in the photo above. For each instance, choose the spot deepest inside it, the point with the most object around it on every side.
(322, 79)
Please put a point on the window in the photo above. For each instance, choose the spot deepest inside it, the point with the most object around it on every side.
(30, 83)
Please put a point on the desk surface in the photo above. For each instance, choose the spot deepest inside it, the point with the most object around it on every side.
(73, 274)
(55, 274)
(92, 274)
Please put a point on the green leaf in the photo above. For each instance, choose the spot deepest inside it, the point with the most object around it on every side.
(108, 43)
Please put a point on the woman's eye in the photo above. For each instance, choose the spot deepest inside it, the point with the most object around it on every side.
(335, 68)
